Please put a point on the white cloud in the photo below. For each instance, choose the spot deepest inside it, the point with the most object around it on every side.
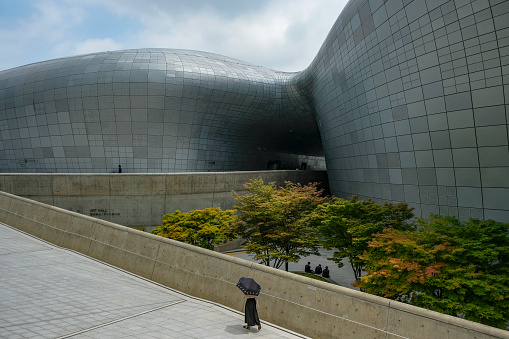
(33, 38)
(96, 45)
(279, 34)
(283, 35)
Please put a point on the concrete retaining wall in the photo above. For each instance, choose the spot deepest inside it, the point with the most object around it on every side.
(142, 199)
(307, 306)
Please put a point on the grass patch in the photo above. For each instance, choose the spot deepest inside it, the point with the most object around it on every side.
(313, 276)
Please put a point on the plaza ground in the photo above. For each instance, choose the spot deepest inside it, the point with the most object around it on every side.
(340, 276)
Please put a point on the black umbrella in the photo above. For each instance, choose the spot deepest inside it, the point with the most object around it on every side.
(249, 286)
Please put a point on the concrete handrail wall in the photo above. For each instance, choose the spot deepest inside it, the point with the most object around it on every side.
(304, 305)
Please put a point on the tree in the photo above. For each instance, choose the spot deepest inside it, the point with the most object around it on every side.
(459, 268)
(278, 223)
(348, 226)
(203, 228)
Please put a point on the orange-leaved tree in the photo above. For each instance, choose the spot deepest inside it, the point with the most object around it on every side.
(460, 268)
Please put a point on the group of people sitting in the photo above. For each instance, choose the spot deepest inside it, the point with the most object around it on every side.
(318, 270)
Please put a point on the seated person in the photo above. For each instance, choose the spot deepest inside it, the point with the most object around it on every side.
(326, 272)
(307, 268)
(318, 269)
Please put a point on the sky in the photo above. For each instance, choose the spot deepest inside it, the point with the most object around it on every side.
(284, 35)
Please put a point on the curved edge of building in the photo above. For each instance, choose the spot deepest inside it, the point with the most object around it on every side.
(411, 98)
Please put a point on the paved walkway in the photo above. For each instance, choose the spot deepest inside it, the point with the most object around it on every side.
(50, 292)
(340, 276)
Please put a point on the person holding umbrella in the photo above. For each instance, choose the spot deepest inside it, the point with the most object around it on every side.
(251, 290)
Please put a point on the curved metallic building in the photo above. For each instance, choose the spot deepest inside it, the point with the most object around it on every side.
(155, 110)
(407, 100)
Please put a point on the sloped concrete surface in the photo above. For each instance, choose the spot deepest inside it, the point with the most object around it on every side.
(50, 292)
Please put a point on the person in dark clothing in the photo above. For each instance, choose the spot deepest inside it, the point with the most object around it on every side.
(251, 313)
(318, 269)
(307, 268)
(326, 273)
(119, 169)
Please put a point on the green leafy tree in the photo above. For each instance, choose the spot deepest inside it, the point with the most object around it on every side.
(203, 228)
(278, 224)
(460, 268)
(348, 226)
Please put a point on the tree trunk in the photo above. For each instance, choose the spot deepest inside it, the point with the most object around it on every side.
(287, 250)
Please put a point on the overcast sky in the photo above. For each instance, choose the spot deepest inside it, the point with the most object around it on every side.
(279, 34)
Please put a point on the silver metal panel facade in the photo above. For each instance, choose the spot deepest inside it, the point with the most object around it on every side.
(412, 102)
(155, 110)
(407, 100)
